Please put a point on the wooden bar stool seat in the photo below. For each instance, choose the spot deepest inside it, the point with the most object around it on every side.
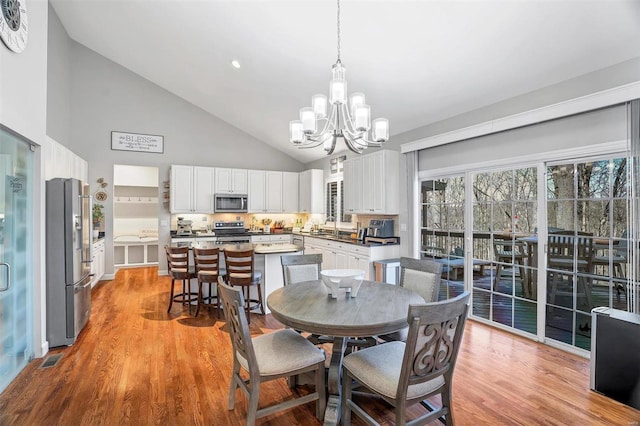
(240, 272)
(180, 269)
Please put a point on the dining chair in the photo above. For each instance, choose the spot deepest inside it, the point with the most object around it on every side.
(405, 374)
(568, 252)
(180, 269)
(614, 260)
(421, 276)
(300, 268)
(271, 356)
(207, 264)
(510, 252)
(239, 265)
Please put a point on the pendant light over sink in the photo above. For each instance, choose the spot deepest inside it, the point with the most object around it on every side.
(350, 120)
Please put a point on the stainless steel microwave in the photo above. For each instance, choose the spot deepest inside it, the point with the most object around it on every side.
(232, 203)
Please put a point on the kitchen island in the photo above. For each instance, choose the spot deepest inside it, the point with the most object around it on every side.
(266, 260)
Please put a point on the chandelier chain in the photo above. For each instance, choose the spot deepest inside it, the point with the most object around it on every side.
(338, 31)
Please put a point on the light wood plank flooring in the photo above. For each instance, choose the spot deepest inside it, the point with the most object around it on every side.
(135, 364)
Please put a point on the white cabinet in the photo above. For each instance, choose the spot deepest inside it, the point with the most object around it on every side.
(273, 191)
(181, 189)
(191, 189)
(336, 254)
(311, 198)
(60, 162)
(352, 172)
(265, 191)
(257, 191)
(271, 239)
(290, 196)
(371, 183)
(230, 181)
(97, 264)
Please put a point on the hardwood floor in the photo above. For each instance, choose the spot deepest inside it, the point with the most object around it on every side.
(135, 364)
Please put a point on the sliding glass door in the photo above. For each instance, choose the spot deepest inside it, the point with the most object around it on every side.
(442, 231)
(504, 209)
(16, 277)
(587, 245)
(573, 241)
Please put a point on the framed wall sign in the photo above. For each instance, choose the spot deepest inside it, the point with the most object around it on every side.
(122, 141)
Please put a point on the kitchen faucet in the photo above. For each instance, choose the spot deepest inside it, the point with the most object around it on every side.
(335, 224)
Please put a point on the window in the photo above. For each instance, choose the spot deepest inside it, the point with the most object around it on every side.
(334, 202)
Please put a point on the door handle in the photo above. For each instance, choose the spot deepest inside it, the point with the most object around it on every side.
(8, 275)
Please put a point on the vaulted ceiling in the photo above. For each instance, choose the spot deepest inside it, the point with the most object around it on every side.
(416, 61)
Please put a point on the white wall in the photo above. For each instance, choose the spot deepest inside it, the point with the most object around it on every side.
(23, 106)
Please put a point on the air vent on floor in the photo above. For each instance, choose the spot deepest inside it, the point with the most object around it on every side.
(50, 361)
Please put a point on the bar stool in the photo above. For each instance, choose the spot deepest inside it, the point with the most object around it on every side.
(179, 269)
(240, 272)
(207, 262)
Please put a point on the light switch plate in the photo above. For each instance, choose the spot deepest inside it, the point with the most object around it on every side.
(164, 222)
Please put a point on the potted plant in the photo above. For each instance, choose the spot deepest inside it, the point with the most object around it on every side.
(97, 216)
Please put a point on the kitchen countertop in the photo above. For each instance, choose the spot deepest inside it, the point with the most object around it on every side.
(327, 237)
(347, 240)
(258, 248)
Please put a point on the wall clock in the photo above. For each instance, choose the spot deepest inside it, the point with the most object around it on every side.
(14, 24)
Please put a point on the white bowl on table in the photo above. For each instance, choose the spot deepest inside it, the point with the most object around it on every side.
(335, 279)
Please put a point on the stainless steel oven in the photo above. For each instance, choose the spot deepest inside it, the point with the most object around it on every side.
(231, 233)
(237, 239)
(234, 203)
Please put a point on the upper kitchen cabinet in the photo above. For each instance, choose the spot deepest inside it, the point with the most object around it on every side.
(60, 162)
(265, 191)
(290, 196)
(371, 183)
(352, 177)
(192, 189)
(231, 181)
(311, 197)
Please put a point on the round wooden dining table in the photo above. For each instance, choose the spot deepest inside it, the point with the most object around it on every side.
(378, 309)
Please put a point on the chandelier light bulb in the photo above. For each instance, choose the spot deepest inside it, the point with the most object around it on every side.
(319, 105)
(295, 131)
(362, 118)
(380, 130)
(355, 101)
(338, 91)
(308, 118)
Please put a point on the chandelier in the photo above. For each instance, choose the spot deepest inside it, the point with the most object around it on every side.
(350, 121)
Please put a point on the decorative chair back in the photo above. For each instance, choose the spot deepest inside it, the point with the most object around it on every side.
(239, 266)
(433, 342)
(207, 263)
(178, 262)
(421, 276)
(569, 252)
(508, 249)
(234, 313)
(299, 268)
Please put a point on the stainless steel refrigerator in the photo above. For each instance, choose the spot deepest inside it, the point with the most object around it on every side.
(69, 257)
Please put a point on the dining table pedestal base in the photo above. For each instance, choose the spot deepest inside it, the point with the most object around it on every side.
(334, 382)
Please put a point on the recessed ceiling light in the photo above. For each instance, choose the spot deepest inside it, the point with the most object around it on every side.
(235, 63)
